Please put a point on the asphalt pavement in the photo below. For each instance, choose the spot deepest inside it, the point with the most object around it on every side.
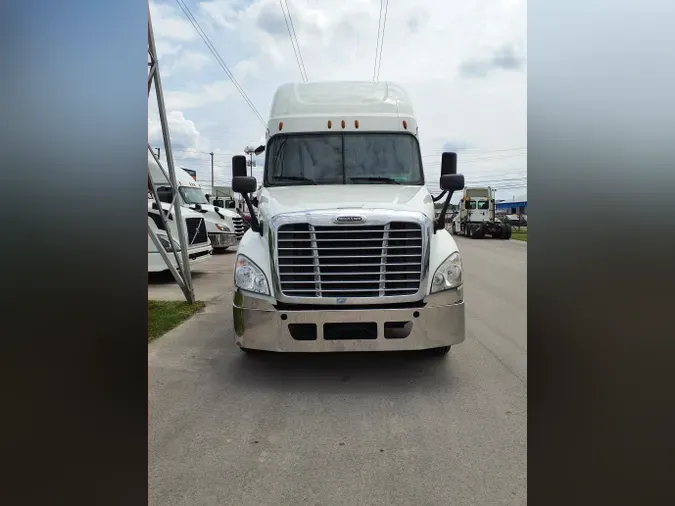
(345, 429)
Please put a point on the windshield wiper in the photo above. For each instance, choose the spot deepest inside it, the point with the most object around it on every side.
(296, 178)
(374, 179)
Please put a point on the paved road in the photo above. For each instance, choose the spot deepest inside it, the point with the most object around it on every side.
(347, 429)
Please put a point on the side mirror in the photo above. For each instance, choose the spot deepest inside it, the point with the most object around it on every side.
(244, 184)
(449, 183)
(239, 168)
(452, 182)
(218, 203)
(449, 164)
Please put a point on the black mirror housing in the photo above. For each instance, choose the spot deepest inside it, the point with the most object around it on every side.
(244, 184)
(239, 168)
(452, 182)
(448, 163)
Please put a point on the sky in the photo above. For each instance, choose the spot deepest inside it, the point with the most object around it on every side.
(463, 63)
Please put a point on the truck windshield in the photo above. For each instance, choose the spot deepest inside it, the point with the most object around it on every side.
(350, 158)
(193, 195)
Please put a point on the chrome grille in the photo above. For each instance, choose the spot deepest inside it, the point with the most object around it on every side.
(239, 229)
(349, 260)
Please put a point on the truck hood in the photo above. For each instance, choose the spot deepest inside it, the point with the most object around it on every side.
(211, 212)
(185, 212)
(288, 199)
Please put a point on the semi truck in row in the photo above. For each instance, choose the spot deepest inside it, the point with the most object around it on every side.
(475, 216)
(199, 245)
(345, 252)
(225, 227)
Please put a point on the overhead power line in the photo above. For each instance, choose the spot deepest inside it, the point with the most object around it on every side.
(294, 39)
(377, 43)
(479, 159)
(384, 25)
(216, 55)
(474, 151)
(380, 40)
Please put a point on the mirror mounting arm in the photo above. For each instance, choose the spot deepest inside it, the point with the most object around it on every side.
(440, 222)
(255, 224)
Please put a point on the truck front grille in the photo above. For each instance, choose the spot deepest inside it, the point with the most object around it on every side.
(239, 229)
(349, 261)
(196, 231)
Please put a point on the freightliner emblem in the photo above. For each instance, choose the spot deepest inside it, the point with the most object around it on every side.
(349, 219)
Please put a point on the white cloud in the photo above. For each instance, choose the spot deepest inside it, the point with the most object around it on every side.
(191, 61)
(169, 23)
(463, 63)
(184, 133)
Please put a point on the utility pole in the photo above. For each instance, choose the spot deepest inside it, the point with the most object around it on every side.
(213, 185)
(157, 152)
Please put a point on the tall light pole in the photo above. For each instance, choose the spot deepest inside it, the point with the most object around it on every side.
(250, 152)
(213, 184)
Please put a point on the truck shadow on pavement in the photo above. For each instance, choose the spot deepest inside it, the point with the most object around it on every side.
(342, 373)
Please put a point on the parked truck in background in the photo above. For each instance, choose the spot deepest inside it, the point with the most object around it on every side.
(345, 252)
(225, 227)
(475, 216)
(199, 246)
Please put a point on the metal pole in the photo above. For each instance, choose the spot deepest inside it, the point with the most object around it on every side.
(180, 222)
(213, 184)
(158, 153)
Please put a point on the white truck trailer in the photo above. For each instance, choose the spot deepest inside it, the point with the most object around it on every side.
(225, 227)
(475, 216)
(344, 251)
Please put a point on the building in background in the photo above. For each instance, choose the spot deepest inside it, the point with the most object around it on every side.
(515, 209)
(516, 205)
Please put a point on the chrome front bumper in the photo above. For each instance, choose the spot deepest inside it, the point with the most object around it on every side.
(223, 240)
(259, 325)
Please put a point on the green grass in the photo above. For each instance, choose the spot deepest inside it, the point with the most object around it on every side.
(166, 315)
(519, 235)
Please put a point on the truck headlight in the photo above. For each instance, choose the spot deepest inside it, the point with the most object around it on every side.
(164, 241)
(222, 228)
(248, 276)
(448, 275)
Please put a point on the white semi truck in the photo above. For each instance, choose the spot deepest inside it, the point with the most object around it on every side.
(475, 216)
(199, 246)
(225, 227)
(344, 251)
